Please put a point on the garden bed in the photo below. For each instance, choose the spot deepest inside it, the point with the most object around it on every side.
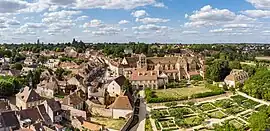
(217, 114)
(235, 109)
(206, 106)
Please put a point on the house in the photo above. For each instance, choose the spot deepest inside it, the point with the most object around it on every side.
(122, 106)
(52, 63)
(29, 61)
(115, 87)
(53, 108)
(236, 76)
(74, 100)
(28, 117)
(27, 98)
(26, 69)
(142, 78)
(4, 105)
(9, 121)
(71, 52)
(48, 88)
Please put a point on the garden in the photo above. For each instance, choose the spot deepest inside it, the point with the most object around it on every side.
(231, 110)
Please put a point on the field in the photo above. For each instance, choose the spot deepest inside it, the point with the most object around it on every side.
(179, 92)
(198, 116)
(115, 124)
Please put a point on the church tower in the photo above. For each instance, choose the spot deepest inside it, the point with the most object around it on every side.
(142, 63)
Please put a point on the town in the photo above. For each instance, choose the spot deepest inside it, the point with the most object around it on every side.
(127, 87)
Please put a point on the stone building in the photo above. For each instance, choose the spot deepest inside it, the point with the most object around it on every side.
(145, 71)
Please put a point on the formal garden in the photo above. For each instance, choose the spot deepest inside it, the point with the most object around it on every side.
(234, 110)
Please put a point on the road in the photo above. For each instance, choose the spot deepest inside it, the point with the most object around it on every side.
(142, 115)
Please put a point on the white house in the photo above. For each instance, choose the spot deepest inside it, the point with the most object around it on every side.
(236, 76)
(115, 87)
(53, 108)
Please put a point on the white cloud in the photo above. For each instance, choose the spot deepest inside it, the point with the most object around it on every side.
(210, 16)
(190, 32)
(159, 4)
(13, 22)
(150, 27)
(220, 30)
(123, 22)
(81, 18)
(238, 26)
(149, 20)
(94, 23)
(139, 13)
(257, 13)
(113, 4)
(260, 4)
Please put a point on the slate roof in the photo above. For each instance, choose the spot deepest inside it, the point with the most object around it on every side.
(54, 105)
(72, 99)
(42, 111)
(9, 119)
(30, 113)
(120, 80)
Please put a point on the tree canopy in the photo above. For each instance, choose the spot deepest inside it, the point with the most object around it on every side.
(259, 85)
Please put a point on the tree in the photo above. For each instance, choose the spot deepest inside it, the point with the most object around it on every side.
(226, 127)
(218, 70)
(17, 66)
(259, 121)
(234, 65)
(259, 85)
(127, 86)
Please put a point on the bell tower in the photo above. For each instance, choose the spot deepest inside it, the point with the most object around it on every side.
(142, 63)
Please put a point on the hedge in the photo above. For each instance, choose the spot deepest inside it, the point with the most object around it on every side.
(207, 94)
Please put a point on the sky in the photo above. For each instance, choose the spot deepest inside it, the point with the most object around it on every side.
(162, 21)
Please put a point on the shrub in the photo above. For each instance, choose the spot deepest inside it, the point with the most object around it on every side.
(196, 77)
(207, 94)
(171, 104)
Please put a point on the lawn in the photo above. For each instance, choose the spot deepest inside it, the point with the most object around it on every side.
(206, 106)
(217, 114)
(178, 92)
(116, 124)
(148, 126)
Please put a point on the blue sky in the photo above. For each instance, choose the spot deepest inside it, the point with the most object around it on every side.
(166, 21)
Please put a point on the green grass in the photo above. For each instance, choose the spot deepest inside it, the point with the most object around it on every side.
(217, 114)
(178, 92)
(236, 123)
(148, 126)
(116, 124)
(206, 106)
